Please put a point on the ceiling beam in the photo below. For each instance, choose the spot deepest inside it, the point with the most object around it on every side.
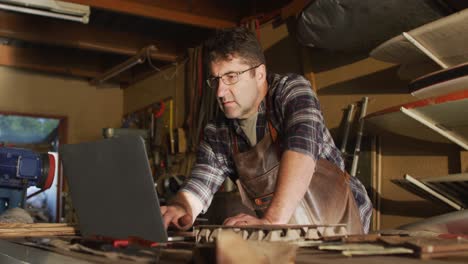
(64, 33)
(164, 11)
(57, 61)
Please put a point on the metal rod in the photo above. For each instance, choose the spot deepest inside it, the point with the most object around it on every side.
(349, 119)
(377, 182)
(424, 50)
(357, 149)
(171, 124)
(430, 124)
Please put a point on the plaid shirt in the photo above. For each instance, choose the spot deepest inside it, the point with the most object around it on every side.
(294, 111)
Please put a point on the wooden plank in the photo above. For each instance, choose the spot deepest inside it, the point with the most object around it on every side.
(163, 12)
(464, 161)
(37, 225)
(12, 230)
(310, 76)
(57, 61)
(76, 35)
(30, 233)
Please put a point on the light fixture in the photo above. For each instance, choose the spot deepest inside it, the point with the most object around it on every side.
(49, 8)
(137, 59)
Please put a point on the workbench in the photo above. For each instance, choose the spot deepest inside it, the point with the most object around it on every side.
(66, 246)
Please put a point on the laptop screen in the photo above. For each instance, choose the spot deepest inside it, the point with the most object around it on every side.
(112, 189)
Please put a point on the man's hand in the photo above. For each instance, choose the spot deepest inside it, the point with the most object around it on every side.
(177, 216)
(245, 219)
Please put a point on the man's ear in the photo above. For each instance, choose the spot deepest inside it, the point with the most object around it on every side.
(261, 73)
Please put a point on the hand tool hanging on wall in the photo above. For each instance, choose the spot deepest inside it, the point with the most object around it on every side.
(357, 148)
(349, 120)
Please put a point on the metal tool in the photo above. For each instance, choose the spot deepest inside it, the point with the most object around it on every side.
(357, 149)
(349, 120)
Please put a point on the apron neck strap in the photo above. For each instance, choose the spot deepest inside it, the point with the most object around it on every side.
(234, 142)
(272, 130)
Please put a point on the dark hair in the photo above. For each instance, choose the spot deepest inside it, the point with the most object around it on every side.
(239, 42)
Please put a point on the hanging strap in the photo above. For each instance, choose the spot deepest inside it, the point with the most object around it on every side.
(271, 129)
(234, 142)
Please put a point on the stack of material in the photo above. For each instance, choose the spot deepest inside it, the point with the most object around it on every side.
(14, 230)
(431, 247)
(271, 233)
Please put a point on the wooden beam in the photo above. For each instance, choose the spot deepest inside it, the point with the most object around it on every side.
(64, 33)
(464, 161)
(57, 61)
(163, 10)
(14, 230)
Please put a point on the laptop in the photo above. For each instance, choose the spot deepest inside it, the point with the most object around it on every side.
(112, 189)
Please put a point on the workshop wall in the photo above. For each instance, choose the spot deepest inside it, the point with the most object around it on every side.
(88, 108)
(167, 83)
(344, 78)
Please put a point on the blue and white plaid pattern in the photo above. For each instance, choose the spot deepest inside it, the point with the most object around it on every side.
(294, 111)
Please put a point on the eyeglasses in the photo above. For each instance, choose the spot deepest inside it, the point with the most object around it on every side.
(229, 78)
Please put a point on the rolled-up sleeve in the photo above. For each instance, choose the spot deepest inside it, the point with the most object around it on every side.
(210, 169)
(303, 120)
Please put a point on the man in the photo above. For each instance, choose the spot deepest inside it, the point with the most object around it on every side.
(272, 141)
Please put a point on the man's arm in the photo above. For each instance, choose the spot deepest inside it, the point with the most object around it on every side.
(207, 175)
(294, 176)
(302, 139)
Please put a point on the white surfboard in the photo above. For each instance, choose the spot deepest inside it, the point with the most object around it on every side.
(437, 119)
(441, 82)
(446, 38)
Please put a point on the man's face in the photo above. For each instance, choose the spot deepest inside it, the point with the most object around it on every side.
(239, 100)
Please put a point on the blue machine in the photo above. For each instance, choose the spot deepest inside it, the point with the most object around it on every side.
(20, 169)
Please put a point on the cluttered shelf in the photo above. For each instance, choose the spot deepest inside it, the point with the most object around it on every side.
(435, 57)
(440, 114)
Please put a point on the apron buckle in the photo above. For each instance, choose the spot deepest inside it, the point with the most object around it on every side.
(265, 200)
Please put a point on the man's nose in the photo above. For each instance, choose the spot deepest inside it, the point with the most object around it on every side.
(221, 90)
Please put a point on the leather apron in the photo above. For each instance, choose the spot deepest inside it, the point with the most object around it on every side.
(327, 201)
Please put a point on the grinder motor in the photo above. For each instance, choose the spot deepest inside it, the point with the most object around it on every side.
(20, 169)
